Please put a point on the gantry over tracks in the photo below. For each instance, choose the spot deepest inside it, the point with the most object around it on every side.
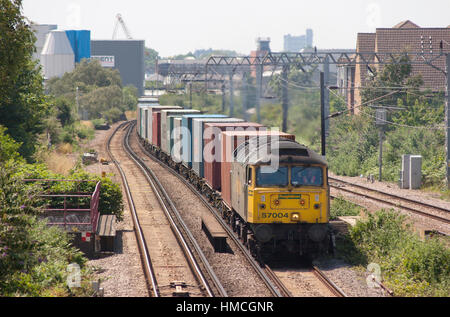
(208, 284)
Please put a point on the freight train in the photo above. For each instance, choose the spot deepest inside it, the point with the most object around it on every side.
(270, 189)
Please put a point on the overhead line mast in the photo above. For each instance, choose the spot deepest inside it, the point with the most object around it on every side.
(300, 60)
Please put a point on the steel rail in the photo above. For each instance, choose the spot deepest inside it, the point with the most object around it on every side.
(145, 255)
(165, 202)
(284, 290)
(327, 282)
(266, 279)
(391, 195)
(416, 211)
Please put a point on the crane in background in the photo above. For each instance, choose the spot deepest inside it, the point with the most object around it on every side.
(119, 20)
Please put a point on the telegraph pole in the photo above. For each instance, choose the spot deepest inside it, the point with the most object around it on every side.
(285, 96)
(244, 95)
(322, 112)
(259, 71)
(380, 154)
(190, 94)
(231, 95)
(326, 93)
(224, 101)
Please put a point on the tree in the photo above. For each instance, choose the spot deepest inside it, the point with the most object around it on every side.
(130, 97)
(392, 83)
(65, 111)
(394, 86)
(22, 101)
(8, 147)
(100, 100)
(150, 58)
(87, 76)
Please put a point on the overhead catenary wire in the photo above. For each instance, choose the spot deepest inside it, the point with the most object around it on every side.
(405, 125)
(357, 106)
(398, 89)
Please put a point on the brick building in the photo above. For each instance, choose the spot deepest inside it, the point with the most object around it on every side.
(403, 37)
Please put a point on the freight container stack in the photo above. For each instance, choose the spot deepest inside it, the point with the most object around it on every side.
(212, 139)
(141, 119)
(198, 141)
(151, 110)
(188, 135)
(176, 137)
(156, 129)
(165, 131)
(144, 103)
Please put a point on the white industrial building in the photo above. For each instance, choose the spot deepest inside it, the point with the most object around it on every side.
(57, 56)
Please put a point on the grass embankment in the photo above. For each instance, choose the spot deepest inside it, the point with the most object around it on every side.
(409, 266)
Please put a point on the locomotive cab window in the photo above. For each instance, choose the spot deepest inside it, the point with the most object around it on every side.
(268, 176)
(306, 176)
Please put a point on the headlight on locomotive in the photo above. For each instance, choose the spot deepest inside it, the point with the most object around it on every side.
(295, 216)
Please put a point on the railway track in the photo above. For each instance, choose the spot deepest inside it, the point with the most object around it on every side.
(303, 281)
(423, 209)
(273, 282)
(262, 273)
(207, 282)
(327, 282)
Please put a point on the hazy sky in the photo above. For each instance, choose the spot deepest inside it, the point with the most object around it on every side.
(179, 26)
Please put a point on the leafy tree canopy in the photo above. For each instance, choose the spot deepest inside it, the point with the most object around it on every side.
(22, 101)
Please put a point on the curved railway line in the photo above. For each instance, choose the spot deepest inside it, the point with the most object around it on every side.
(270, 278)
(208, 284)
(423, 209)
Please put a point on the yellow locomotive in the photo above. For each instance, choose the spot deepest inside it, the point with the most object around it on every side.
(280, 197)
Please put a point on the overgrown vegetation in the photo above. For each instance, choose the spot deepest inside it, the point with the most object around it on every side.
(34, 258)
(342, 207)
(98, 90)
(409, 266)
(415, 128)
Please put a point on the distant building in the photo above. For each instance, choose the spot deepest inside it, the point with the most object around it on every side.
(262, 48)
(58, 51)
(298, 43)
(403, 37)
(125, 55)
(263, 44)
(41, 31)
(57, 56)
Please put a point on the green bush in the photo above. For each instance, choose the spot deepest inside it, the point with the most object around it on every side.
(33, 257)
(341, 207)
(9, 148)
(410, 266)
(113, 115)
(98, 122)
(111, 198)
